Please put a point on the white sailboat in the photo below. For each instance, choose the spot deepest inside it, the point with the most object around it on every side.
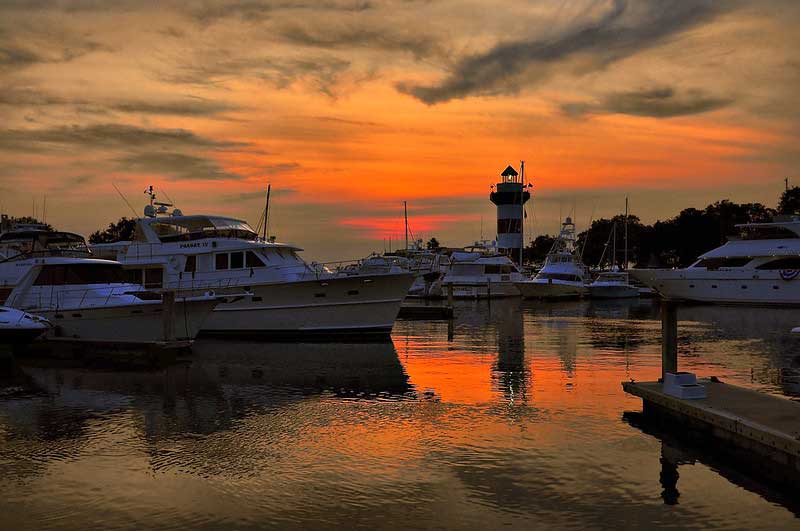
(614, 284)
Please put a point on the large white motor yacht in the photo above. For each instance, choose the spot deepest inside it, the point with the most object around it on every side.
(90, 301)
(759, 266)
(474, 275)
(288, 297)
(563, 276)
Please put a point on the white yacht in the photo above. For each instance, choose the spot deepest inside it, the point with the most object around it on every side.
(288, 297)
(613, 285)
(759, 266)
(563, 276)
(474, 275)
(17, 326)
(90, 301)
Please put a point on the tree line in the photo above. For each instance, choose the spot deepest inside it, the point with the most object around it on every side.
(676, 242)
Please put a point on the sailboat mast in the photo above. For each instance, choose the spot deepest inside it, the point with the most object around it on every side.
(266, 212)
(626, 233)
(522, 214)
(405, 216)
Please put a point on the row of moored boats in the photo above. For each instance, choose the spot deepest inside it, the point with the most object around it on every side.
(181, 275)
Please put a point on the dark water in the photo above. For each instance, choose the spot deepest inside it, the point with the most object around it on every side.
(518, 421)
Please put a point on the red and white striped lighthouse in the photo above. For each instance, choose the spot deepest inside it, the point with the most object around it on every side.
(510, 196)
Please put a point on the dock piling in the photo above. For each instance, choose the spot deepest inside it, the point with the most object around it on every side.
(669, 337)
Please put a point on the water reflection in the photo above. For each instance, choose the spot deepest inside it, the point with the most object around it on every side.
(508, 416)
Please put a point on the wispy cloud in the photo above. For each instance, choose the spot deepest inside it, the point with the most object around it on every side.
(105, 136)
(662, 102)
(621, 31)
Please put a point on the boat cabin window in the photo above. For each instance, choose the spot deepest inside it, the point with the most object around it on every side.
(237, 260)
(74, 274)
(253, 260)
(200, 227)
(191, 264)
(792, 262)
(730, 261)
(766, 233)
(153, 278)
(492, 269)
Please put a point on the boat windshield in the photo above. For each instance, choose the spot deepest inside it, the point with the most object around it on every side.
(80, 274)
(26, 244)
(559, 276)
(766, 232)
(200, 227)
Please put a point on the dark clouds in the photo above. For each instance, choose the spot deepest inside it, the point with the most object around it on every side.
(174, 166)
(389, 38)
(623, 30)
(185, 107)
(106, 136)
(258, 10)
(662, 102)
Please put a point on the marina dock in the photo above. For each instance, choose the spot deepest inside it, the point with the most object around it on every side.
(761, 431)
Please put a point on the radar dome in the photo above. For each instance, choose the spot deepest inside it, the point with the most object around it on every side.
(149, 211)
(177, 212)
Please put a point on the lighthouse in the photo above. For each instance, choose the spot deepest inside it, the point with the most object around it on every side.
(510, 196)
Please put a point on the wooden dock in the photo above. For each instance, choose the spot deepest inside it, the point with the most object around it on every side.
(761, 431)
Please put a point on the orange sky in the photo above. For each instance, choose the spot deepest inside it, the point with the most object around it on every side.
(349, 108)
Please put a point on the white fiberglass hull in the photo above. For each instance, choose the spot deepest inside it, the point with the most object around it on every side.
(613, 291)
(481, 290)
(732, 286)
(354, 306)
(129, 324)
(555, 289)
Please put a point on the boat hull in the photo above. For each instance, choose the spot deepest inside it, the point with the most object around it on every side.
(129, 324)
(482, 290)
(20, 336)
(551, 290)
(354, 307)
(613, 292)
(748, 287)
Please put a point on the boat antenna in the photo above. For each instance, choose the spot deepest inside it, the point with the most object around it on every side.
(522, 207)
(625, 263)
(266, 212)
(405, 215)
(135, 215)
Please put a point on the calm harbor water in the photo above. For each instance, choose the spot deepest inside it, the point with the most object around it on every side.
(513, 417)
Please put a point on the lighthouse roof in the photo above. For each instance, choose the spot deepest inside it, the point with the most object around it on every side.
(509, 171)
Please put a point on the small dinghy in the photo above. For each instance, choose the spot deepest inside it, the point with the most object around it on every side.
(20, 327)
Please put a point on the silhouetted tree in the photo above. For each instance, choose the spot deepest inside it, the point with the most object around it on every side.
(122, 230)
(790, 201)
(593, 241)
(9, 221)
(538, 248)
(433, 244)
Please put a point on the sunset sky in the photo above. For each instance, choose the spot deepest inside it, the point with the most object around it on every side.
(350, 107)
